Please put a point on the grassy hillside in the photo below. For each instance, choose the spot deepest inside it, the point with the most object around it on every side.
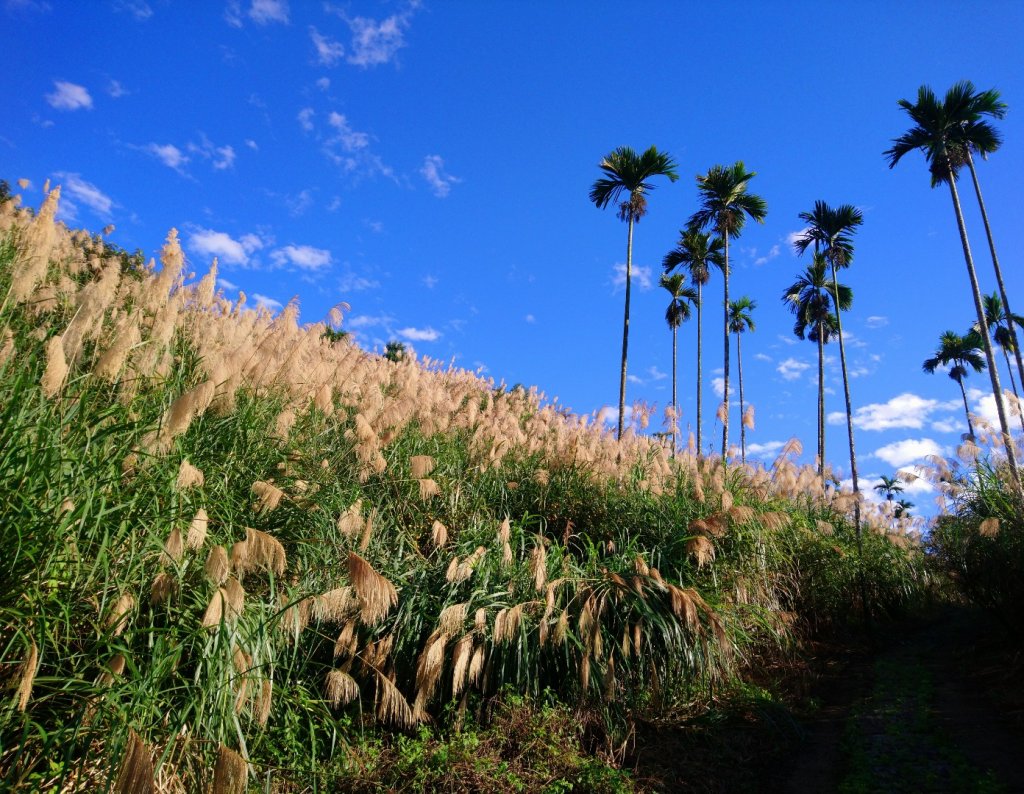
(238, 550)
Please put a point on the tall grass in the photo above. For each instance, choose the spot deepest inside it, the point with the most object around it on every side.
(234, 546)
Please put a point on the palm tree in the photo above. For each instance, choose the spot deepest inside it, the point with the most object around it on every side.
(740, 320)
(959, 353)
(939, 132)
(725, 207)
(1002, 321)
(627, 172)
(889, 486)
(902, 509)
(678, 310)
(811, 299)
(830, 230)
(697, 252)
(985, 139)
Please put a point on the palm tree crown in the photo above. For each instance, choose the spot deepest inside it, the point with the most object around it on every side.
(812, 298)
(683, 297)
(629, 172)
(740, 317)
(944, 132)
(829, 230)
(889, 486)
(959, 353)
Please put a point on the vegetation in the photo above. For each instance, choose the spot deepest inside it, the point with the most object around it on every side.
(961, 354)
(740, 320)
(241, 551)
(678, 310)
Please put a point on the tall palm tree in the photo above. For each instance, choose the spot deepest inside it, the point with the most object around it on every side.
(741, 319)
(725, 206)
(697, 252)
(678, 310)
(629, 173)
(984, 139)
(902, 509)
(959, 353)
(938, 131)
(1002, 321)
(889, 486)
(830, 230)
(811, 299)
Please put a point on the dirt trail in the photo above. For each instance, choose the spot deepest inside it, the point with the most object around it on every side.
(927, 712)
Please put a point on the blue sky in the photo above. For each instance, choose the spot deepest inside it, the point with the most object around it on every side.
(429, 163)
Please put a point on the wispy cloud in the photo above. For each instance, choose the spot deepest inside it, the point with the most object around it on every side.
(209, 243)
(762, 357)
(905, 410)
(718, 386)
(168, 154)
(262, 12)
(267, 303)
(419, 334)
(641, 277)
(876, 321)
(911, 450)
(439, 180)
(792, 237)
(139, 9)
(773, 252)
(328, 53)
(769, 449)
(305, 118)
(792, 369)
(376, 42)
(69, 96)
(86, 193)
(353, 282)
(304, 257)
(115, 90)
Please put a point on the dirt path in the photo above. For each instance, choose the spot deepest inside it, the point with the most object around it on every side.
(928, 712)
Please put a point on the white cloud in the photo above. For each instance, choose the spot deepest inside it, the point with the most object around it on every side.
(530, 319)
(876, 321)
(168, 154)
(718, 386)
(252, 144)
(983, 405)
(419, 334)
(375, 43)
(223, 283)
(912, 450)
(328, 52)
(641, 277)
(350, 139)
(139, 9)
(69, 96)
(762, 357)
(323, 83)
(947, 425)
(634, 379)
(224, 159)
(791, 369)
(433, 171)
(350, 282)
(905, 410)
(656, 374)
(792, 237)
(305, 118)
(210, 243)
(429, 282)
(786, 340)
(263, 12)
(116, 90)
(305, 257)
(298, 204)
(773, 252)
(767, 450)
(86, 192)
(369, 321)
(267, 303)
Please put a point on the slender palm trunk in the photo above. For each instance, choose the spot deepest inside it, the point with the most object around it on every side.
(997, 391)
(849, 412)
(995, 265)
(821, 405)
(743, 424)
(625, 329)
(725, 325)
(700, 363)
(675, 402)
(1013, 385)
(967, 411)
(853, 455)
